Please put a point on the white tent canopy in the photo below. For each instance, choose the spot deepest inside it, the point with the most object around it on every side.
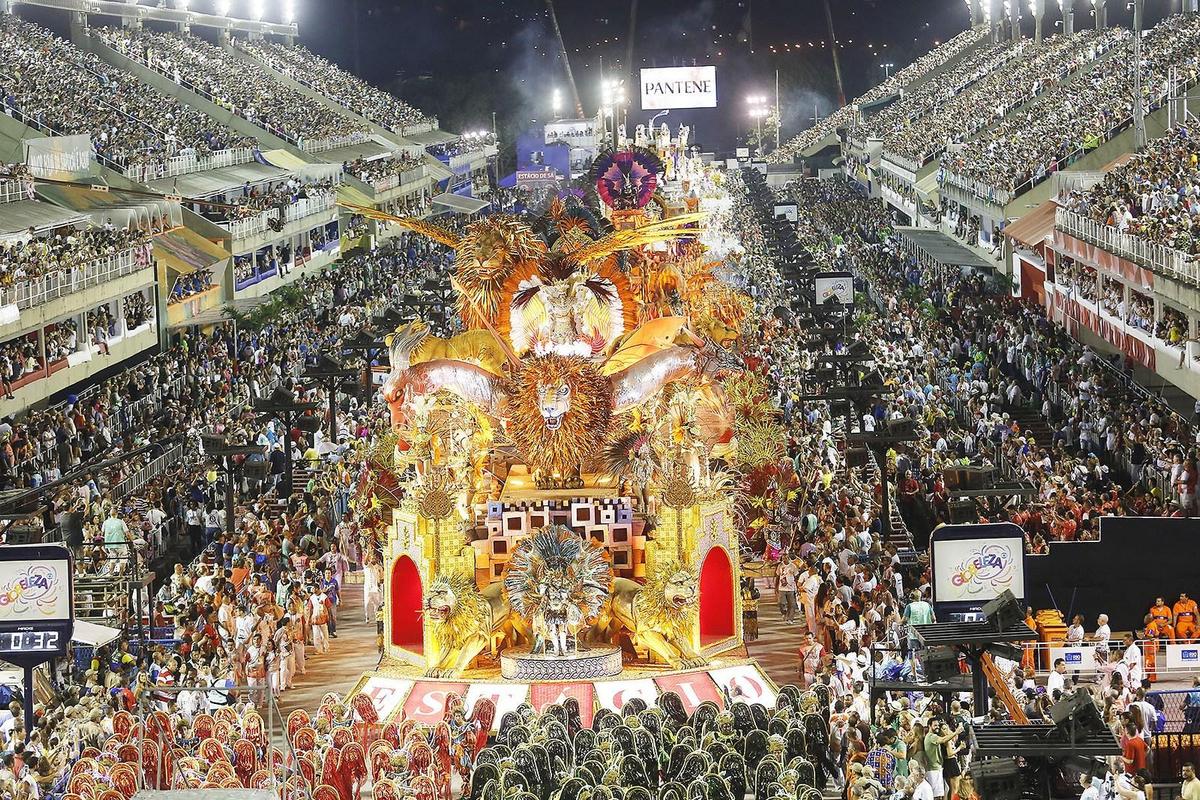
(89, 633)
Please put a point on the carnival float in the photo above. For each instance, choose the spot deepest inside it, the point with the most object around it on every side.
(556, 503)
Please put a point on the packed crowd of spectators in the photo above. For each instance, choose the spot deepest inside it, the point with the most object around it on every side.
(248, 608)
(927, 97)
(1074, 117)
(63, 251)
(1154, 195)
(49, 81)
(458, 147)
(253, 200)
(844, 116)
(302, 65)
(957, 116)
(376, 169)
(249, 91)
(997, 360)
(952, 371)
(137, 309)
(190, 285)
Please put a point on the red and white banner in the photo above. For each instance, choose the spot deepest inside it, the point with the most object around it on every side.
(425, 700)
(506, 697)
(1100, 259)
(1130, 344)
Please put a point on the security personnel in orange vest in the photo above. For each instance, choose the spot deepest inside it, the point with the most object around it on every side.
(1162, 617)
(1151, 636)
(1186, 617)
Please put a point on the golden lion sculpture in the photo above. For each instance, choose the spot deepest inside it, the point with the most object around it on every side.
(558, 410)
(659, 615)
(463, 620)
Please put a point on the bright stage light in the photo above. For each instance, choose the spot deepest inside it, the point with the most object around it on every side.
(289, 11)
(258, 9)
(223, 7)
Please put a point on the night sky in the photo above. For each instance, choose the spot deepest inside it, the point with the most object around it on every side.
(464, 59)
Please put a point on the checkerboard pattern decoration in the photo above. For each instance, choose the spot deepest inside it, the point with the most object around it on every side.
(609, 521)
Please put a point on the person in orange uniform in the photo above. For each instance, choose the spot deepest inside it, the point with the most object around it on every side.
(1163, 619)
(1186, 617)
(1150, 639)
(1029, 650)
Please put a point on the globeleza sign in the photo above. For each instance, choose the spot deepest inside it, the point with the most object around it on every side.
(679, 87)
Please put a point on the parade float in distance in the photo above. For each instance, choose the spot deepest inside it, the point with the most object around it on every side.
(557, 501)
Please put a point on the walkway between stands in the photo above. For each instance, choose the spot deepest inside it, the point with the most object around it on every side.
(351, 654)
(778, 643)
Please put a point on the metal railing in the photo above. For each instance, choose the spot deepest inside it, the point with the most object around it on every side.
(12, 191)
(1158, 258)
(332, 142)
(30, 292)
(246, 227)
(173, 457)
(976, 188)
(1081, 181)
(186, 164)
(903, 161)
(467, 158)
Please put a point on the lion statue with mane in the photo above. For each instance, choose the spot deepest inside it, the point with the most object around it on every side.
(660, 614)
(558, 410)
(463, 620)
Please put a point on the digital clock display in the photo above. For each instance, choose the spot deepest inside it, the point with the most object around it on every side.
(29, 641)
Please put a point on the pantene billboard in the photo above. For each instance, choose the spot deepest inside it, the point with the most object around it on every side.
(679, 87)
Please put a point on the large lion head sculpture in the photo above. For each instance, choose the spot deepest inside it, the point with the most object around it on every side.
(558, 410)
(670, 600)
(455, 609)
(484, 258)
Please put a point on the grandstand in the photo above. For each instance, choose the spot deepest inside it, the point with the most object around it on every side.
(159, 178)
(822, 133)
(1026, 152)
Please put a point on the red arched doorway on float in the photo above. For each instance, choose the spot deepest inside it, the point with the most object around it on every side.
(716, 597)
(406, 601)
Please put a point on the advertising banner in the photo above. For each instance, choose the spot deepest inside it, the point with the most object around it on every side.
(977, 563)
(835, 287)
(35, 592)
(679, 87)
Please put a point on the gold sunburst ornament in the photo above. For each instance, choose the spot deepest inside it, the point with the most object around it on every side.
(679, 491)
(435, 500)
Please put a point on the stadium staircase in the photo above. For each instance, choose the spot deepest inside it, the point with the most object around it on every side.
(1032, 423)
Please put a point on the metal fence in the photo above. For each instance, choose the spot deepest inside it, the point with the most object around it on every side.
(332, 142)
(247, 227)
(30, 292)
(186, 164)
(1158, 258)
(173, 457)
(11, 191)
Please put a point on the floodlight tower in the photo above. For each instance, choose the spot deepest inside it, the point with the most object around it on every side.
(1013, 7)
(976, 10)
(1067, 7)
